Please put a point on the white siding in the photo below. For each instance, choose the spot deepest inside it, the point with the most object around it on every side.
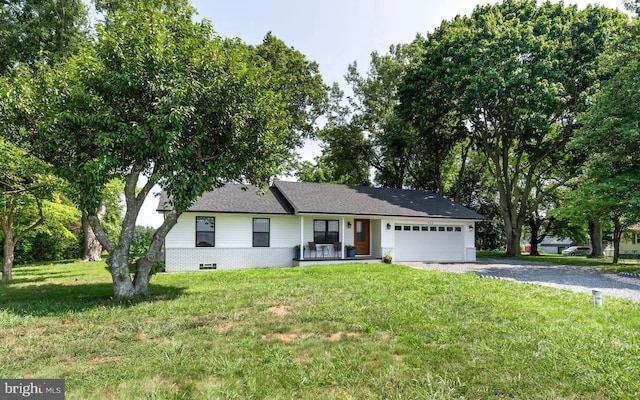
(469, 235)
(285, 231)
(234, 231)
(376, 238)
(233, 243)
(469, 229)
(183, 233)
(387, 238)
(630, 242)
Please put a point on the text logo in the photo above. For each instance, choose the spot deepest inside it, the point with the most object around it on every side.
(32, 389)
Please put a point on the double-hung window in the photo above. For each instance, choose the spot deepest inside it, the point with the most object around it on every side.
(326, 231)
(205, 231)
(261, 230)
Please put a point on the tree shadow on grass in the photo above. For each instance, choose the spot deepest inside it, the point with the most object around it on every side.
(44, 300)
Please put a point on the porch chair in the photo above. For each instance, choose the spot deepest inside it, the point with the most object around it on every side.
(337, 249)
(312, 247)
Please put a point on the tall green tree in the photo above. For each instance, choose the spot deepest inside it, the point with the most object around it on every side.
(299, 81)
(610, 184)
(375, 103)
(346, 152)
(522, 74)
(161, 96)
(25, 182)
(428, 103)
(33, 31)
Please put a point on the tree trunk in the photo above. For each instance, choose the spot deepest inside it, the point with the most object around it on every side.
(616, 246)
(595, 235)
(534, 225)
(121, 274)
(92, 246)
(10, 239)
(125, 288)
(512, 226)
(512, 231)
(7, 260)
(513, 199)
(513, 244)
(143, 275)
(617, 235)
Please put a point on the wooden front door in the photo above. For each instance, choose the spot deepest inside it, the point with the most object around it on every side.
(361, 239)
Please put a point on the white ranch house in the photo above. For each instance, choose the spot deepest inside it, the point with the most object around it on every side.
(236, 227)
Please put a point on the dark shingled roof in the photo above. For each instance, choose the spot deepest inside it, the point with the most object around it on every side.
(362, 200)
(236, 198)
(321, 198)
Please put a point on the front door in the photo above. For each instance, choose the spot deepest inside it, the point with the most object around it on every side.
(361, 237)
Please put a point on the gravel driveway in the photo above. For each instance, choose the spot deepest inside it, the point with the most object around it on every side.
(577, 279)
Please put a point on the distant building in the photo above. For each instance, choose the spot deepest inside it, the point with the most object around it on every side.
(630, 241)
(554, 245)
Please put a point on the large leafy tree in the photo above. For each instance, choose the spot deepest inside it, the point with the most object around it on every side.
(33, 217)
(346, 152)
(522, 73)
(25, 182)
(375, 105)
(161, 97)
(609, 187)
(428, 101)
(299, 81)
(32, 31)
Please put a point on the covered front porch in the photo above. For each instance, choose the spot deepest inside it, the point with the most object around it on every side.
(327, 239)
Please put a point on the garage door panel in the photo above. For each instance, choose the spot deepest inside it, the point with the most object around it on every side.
(445, 243)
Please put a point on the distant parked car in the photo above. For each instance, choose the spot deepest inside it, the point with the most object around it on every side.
(577, 251)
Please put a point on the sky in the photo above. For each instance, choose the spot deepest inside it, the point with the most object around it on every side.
(333, 33)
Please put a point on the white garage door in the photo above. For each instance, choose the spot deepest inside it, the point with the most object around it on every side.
(429, 243)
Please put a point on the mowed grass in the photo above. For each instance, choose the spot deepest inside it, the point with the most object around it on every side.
(332, 332)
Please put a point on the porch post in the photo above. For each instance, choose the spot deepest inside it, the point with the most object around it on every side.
(302, 237)
(342, 238)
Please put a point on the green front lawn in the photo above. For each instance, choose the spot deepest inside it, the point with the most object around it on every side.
(332, 332)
